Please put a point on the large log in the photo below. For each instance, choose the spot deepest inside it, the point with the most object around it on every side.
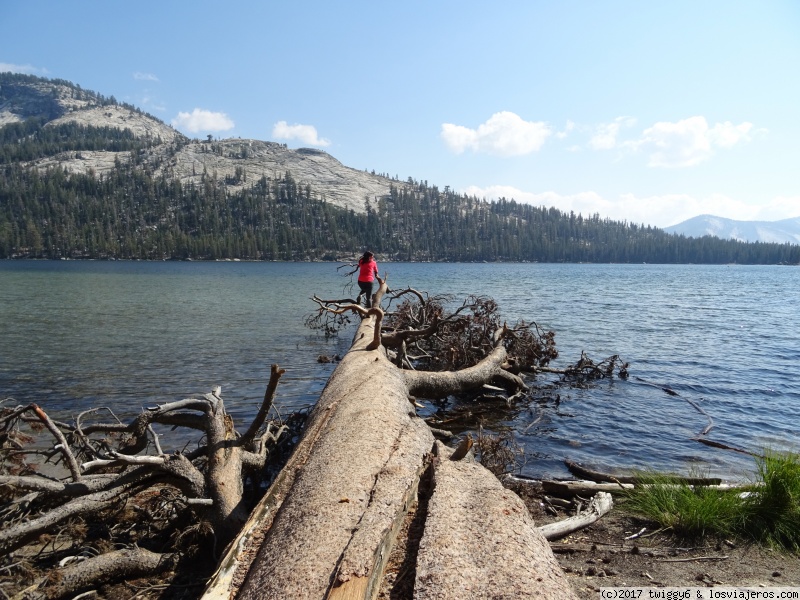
(569, 489)
(326, 527)
(332, 527)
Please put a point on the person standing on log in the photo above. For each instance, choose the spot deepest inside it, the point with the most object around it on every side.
(367, 273)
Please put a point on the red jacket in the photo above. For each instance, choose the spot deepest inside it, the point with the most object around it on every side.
(368, 270)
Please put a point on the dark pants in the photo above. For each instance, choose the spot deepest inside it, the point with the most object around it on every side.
(366, 289)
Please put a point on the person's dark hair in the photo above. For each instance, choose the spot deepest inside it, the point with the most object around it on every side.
(367, 255)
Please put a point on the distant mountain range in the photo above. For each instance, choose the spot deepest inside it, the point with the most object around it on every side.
(779, 232)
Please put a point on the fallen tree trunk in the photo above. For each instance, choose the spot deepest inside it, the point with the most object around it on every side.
(361, 460)
(570, 489)
(326, 528)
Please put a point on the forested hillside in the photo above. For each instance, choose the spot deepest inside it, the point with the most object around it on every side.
(138, 207)
(131, 214)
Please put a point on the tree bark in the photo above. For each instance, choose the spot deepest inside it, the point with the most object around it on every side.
(480, 541)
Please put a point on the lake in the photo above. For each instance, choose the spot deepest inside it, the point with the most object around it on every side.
(127, 335)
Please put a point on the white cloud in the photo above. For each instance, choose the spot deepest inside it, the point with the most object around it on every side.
(152, 103)
(568, 128)
(504, 134)
(458, 138)
(304, 133)
(605, 134)
(139, 76)
(727, 134)
(779, 208)
(202, 120)
(659, 211)
(26, 69)
(688, 142)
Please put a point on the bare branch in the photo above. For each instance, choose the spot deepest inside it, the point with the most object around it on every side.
(383, 288)
(376, 331)
(62, 446)
(156, 441)
(335, 308)
(166, 414)
(20, 533)
(396, 339)
(252, 461)
(441, 384)
(600, 504)
(40, 484)
(123, 459)
(263, 411)
(118, 564)
(511, 380)
(331, 302)
(399, 294)
(199, 502)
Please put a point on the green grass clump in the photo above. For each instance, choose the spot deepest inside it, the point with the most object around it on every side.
(689, 511)
(769, 513)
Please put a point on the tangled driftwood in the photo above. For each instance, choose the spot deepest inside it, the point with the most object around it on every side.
(113, 465)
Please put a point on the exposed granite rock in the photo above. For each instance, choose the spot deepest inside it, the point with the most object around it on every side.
(84, 161)
(328, 178)
(234, 163)
(141, 125)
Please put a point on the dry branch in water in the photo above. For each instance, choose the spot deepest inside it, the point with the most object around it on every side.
(445, 348)
(445, 339)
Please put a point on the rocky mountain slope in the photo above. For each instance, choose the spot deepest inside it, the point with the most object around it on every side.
(235, 162)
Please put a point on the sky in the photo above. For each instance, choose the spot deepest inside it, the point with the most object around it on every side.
(648, 112)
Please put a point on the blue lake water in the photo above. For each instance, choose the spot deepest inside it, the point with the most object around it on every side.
(132, 334)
